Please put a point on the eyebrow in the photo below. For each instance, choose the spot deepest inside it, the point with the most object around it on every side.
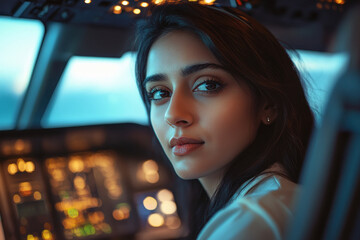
(188, 70)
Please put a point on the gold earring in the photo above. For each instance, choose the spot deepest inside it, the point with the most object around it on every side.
(268, 119)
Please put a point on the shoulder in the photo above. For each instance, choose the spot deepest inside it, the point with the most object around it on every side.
(260, 213)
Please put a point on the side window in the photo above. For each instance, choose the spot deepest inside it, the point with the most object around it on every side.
(19, 46)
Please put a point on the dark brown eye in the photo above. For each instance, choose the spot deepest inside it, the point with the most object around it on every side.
(158, 94)
(208, 86)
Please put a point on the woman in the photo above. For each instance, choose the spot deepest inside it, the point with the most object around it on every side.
(228, 108)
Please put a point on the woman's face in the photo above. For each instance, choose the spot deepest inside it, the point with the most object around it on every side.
(201, 115)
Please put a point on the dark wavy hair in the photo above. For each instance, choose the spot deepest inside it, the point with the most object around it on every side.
(252, 55)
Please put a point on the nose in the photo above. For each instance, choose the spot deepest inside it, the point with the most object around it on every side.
(179, 111)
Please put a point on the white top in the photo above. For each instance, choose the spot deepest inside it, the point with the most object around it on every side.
(261, 210)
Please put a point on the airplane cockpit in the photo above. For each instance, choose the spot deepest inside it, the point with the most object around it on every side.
(78, 157)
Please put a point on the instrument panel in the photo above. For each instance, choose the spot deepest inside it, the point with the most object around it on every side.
(87, 183)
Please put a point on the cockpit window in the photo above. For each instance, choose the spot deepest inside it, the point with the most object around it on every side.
(19, 46)
(320, 71)
(95, 90)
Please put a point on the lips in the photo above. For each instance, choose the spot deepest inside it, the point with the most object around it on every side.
(183, 146)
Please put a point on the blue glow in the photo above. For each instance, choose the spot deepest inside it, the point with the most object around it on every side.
(19, 45)
(96, 91)
(320, 71)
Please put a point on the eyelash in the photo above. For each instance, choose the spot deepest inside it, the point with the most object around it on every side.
(220, 85)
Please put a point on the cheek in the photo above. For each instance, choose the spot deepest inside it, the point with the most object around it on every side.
(157, 122)
(233, 127)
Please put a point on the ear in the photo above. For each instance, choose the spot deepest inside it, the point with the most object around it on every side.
(269, 114)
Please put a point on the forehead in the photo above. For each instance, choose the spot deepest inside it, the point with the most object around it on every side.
(176, 50)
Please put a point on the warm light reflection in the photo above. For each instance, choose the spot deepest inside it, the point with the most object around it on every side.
(173, 222)
(150, 203)
(168, 207)
(340, 2)
(207, 2)
(87, 1)
(19, 145)
(12, 169)
(165, 195)
(136, 11)
(37, 195)
(125, 3)
(155, 220)
(144, 4)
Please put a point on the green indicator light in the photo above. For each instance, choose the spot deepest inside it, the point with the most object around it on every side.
(73, 213)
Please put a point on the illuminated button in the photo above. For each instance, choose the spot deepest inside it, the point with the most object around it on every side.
(159, 2)
(73, 213)
(155, 220)
(144, 4)
(16, 198)
(12, 169)
(150, 203)
(168, 207)
(21, 165)
(76, 164)
(117, 9)
(30, 167)
(46, 235)
(165, 195)
(136, 11)
(37, 195)
(25, 188)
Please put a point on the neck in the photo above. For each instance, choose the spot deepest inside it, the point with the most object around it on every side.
(211, 182)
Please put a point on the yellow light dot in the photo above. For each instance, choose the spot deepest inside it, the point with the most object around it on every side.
(37, 195)
(30, 237)
(21, 165)
(30, 167)
(46, 234)
(173, 222)
(340, 1)
(155, 220)
(12, 169)
(87, 1)
(150, 203)
(207, 2)
(117, 9)
(144, 4)
(76, 164)
(168, 207)
(136, 11)
(125, 3)
(159, 2)
(165, 195)
(16, 198)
